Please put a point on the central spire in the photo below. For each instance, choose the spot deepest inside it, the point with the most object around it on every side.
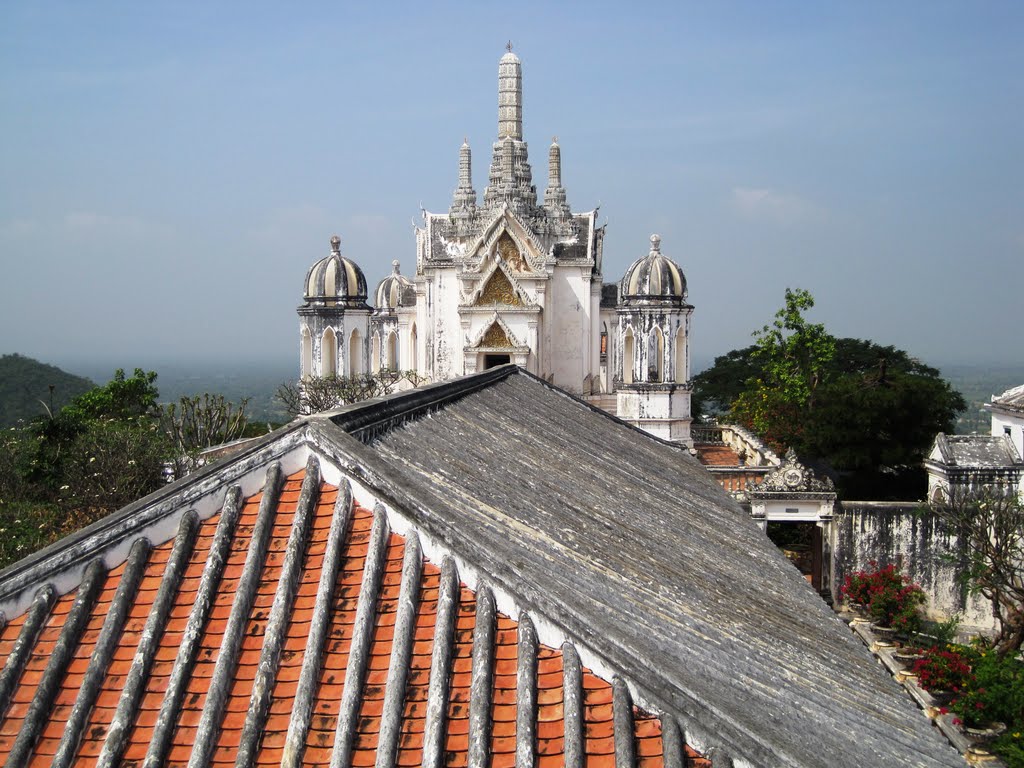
(510, 181)
(510, 96)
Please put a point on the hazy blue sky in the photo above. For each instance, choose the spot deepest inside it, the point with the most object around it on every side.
(171, 170)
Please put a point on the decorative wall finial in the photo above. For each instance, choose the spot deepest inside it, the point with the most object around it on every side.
(335, 244)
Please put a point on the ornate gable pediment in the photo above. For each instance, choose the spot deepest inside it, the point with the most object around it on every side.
(791, 477)
(497, 286)
(508, 239)
(497, 335)
(498, 290)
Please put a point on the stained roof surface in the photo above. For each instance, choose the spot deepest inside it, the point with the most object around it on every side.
(978, 451)
(538, 584)
(1011, 400)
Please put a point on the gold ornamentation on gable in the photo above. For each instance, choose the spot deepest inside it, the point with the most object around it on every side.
(498, 290)
(509, 251)
(496, 337)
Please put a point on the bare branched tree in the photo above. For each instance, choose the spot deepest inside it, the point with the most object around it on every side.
(991, 525)
(197, 423)
(316, 394)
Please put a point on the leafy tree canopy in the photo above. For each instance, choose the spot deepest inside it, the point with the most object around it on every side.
(869, 411)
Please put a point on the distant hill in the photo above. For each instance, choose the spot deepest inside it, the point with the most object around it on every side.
(25, 385)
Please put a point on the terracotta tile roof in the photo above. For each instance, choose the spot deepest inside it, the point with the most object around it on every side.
(369, 606)
(172, 682)
(717, 455)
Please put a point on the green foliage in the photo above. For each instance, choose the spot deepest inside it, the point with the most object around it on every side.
(26, 527)
(29, 388)
(106, 448)
(995, 691)
(120, 398)
(869, 411)
(716, 388)
(112, 463)
(791, 356)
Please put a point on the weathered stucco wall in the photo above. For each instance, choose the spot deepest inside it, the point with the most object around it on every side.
(918, 543)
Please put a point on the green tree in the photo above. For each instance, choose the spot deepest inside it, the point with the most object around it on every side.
(867, 410)
(717, 387)
(791, 356)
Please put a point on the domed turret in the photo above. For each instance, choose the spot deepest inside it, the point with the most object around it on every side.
(654, 277)
(389, 292)
(336, 281)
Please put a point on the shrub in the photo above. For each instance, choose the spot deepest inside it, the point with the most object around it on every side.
(946, 669)
(995, 691)
(893, 600)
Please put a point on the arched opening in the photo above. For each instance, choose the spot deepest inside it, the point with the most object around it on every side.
(681, 373)
(627, 357)
(306, 354)
(604, 342)
(655, 355)
(329, 354)
(392, 361)
(355, 358)
(375, 353)
(414, 358)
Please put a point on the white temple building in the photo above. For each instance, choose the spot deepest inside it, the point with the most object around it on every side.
(974, 463)
(512, 279)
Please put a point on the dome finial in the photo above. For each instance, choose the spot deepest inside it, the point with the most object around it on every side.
(508, 46)
(335, 244)
(655, 243)
(394, 267)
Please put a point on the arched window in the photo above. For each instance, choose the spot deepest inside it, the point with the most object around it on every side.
(329, 354)
(604, 342)
(627, 357)
(414, 356)
(655, 355)
(355, 358)
(393, 351)
(306, 354)
(375, 353)
(681, 372)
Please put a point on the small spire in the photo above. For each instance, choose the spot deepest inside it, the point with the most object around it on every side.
(655, 244)
(336, 244)
(508, 46)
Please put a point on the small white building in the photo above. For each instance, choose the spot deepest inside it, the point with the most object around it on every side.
(1008, 419)
(512, 279)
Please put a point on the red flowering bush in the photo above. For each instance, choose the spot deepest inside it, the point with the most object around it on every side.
(944, 670)
(892, 599)
(856, 588)
(995, 690)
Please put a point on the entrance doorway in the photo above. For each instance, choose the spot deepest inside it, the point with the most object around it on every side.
(493, 361)
(801, 543)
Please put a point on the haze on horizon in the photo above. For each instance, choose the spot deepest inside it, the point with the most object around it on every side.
(173, 169)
